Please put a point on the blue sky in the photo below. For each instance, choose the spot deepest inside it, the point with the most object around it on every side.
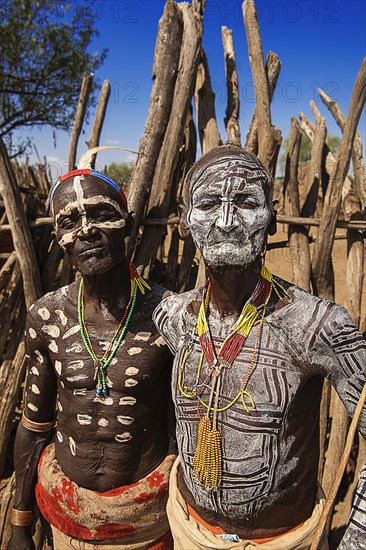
(320, 43)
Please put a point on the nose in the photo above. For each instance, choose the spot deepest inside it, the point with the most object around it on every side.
(87, 230)
(227, 219)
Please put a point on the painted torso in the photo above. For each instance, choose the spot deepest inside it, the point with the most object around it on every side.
(100, 443)
(270, 454)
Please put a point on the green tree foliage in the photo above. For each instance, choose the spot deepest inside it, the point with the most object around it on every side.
(120, 172)
(44, 54)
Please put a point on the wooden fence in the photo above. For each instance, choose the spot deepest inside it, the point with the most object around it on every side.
(318, 194)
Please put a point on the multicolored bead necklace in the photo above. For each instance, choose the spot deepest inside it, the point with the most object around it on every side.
(207, 461)
(100, 365)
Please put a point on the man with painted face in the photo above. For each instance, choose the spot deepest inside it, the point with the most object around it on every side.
(251, 352)
(94, 354)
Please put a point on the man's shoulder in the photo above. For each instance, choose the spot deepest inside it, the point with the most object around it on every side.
(173, 303)
(313, 309)
(44, 306)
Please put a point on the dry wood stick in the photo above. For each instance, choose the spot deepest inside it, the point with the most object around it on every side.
(273, 68)
(22, 238)
(269, 137)
(165, 70)
(324, 243)
(99, 118)
(79, 119)
(340, 471)
(315, 169)
(298, 237)
(204, 99)
(309, 129)
(233, 100)
(169, 153)
(357, 160)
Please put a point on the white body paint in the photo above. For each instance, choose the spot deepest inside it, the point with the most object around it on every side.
(131, 371)
(71, 331)
(103, 422)
(35, 389)
(32, 407)
(75, 348)
(53, 346)
(58, 367)
(125, 419)
(72, 446)
(130, 382)
(144, 336)
(34, 371)
(128, 400)
(84, 419)
(134, 351)
(44, 313)
(51, 330)
(107, 401)
(32, 333)
(59, 436)
(39, 356)
(62, 317)
(123, 438)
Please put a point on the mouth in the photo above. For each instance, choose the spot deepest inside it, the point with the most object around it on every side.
(92, 251)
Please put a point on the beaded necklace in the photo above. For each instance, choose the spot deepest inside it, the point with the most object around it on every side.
(207, 461)
(100, 365)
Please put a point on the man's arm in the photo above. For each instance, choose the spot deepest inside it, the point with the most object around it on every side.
(34, 431)
(343, 353)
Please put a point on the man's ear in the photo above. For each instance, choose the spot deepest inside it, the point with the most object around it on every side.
(272, 227)
(183, 223)
(130, 220)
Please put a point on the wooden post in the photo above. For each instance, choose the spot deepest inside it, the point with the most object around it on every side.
(79, 119)
(233, 100)
(298, 237)
(315, 169)
(269, 137)
(204, 99)
(99, 118)
(22, 238)
(165, 70)
(169, 152)
(324, 242)
(357, 160)
(273, 67)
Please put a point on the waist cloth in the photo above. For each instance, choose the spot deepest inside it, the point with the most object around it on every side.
(189, 532)
(136, 513)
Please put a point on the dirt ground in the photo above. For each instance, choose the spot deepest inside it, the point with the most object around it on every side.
(278, 262)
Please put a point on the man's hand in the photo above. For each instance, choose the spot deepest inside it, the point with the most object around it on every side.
(21, 538)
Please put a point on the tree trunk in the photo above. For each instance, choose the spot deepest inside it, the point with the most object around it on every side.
(79, 119)
(169, 152)
(99, 118)
(233, 100)
(273, 67)
(298, 237)
(357, 160)
(324, 242)
(204, 99)
(22, 238)
(165, 70)
(269, 137)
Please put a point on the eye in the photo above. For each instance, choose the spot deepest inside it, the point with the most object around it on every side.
(67, 223)
(208, 204)
(106, 215)
(243, 201)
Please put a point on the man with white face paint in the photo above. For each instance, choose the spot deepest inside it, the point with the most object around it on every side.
(94, 352)
(251, 352)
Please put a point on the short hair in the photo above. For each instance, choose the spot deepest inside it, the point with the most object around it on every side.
(235, 156)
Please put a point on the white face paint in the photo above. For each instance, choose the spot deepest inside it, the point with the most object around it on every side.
(90, 224)
(229, 213)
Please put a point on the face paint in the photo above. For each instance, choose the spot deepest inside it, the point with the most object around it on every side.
(229, 212)
(90, 224)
